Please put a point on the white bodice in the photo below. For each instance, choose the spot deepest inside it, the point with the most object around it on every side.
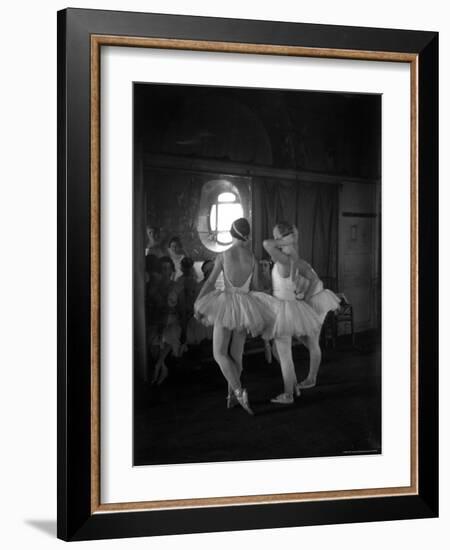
(283, 287)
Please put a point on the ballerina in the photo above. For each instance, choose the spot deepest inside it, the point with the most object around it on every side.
(294, 317)
(234, 311)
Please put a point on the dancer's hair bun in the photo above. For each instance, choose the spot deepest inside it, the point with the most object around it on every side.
(284, 228)
(240, 229)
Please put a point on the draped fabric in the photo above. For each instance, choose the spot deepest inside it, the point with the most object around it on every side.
(312, 207)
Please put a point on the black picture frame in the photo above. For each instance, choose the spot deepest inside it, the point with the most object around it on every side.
(76, 518)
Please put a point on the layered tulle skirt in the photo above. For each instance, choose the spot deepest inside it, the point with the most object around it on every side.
(249, 311)
(324, 301)
(262, 314)
(291, 318)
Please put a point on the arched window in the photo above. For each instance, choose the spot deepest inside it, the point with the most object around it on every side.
(220, 204)
(225, 209)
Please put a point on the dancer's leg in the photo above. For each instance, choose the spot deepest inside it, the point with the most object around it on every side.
(237, 348)
(315, 357)
(236, 352)
(230, 370)
(284, 348)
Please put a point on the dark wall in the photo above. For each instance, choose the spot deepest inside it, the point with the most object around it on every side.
(331, 133)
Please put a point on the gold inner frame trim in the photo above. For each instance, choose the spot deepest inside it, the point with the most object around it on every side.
(97, 41)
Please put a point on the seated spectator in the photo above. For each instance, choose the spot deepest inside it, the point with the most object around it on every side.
(163, 323)
(153, 246)
(176, 253)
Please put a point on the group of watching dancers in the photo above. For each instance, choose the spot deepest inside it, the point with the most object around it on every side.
(195, 310)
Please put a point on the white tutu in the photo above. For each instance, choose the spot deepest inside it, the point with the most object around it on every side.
(291, 318)
(235, 310)
(324, 301)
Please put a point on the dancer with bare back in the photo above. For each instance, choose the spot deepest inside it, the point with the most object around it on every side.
(234, 311)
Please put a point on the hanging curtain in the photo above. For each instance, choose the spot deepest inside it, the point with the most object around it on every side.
(311, 207)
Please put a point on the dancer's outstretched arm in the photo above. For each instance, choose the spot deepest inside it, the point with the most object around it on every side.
(211, 280)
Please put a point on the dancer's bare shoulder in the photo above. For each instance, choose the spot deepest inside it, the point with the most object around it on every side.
(239, 254)
(238, 264)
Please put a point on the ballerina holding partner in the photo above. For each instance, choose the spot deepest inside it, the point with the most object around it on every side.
(293, 317)
(234, 311)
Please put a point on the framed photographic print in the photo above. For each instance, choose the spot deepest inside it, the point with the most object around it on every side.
(247, 257)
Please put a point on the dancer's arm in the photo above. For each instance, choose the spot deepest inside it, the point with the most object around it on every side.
(308, 272)
(209, 284)
(273, 248)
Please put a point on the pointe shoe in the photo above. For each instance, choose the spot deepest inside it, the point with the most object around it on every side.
(297, 390)
(283, 399)
(242, 398)
(231, 399)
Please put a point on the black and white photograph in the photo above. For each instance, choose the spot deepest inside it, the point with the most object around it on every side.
(256, 274)
(224, 294)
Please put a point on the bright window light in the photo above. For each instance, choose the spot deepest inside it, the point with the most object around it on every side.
(226, 197)
(222, 215)
(213, 217)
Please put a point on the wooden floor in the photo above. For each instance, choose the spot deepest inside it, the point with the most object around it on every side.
(186, 420)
